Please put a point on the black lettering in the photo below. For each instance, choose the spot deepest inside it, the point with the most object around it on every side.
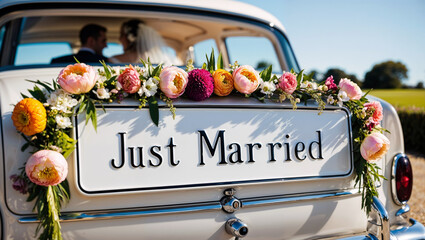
(157, 155)
(250, 150)
(219, 138)
(298, 150)
(271, 146)
(236, 153)
(122, 149)
(288, 153)
(171, 146)
(319, 145)
(132, 161)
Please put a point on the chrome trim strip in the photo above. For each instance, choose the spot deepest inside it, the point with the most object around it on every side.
(280, 199)
(184, 208)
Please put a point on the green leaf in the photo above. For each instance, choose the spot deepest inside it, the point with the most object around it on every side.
(269, 73)
(300, 77)
(91, 114)
(76, 60)
(25, 146)
(82, 106)
(46, 85)
(212, 61)
(38, 94)
(154, 110)
(204, 66)
(157, 71)
(220, 63)
(24, 96)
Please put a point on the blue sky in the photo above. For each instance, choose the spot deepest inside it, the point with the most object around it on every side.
(354, 35)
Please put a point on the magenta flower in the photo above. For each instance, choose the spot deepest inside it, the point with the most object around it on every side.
(46, 168)
(330, 83)
(246, 79)
(173, 81)
(78, 78)
(200, 85)
(129, 80)
(19, 184)
(374, 146)
(351, 88)
(288, 82)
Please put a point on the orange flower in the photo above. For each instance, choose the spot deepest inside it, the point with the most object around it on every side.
(29, 116)
(223, 82)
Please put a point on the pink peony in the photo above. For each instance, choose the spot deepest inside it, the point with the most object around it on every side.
(173, 81)
(374, 146)
(46, 168)
(288, 82)
(200, 85)
(78, 78)
(377, 110)
(246, 79)
(129, 80)
(330, 83)
(352, 89)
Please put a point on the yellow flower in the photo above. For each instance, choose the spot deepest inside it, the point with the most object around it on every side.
(29, 116)
(223, 82)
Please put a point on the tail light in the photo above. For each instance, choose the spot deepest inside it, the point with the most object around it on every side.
(401, 179)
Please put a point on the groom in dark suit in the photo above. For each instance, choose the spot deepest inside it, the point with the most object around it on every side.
(93, 41)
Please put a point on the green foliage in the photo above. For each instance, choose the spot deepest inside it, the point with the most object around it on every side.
(413, 124)
(388, 74)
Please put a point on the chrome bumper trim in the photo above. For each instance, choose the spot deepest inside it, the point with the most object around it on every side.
(251, 202)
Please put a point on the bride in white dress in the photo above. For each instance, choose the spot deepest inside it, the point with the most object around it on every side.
(140, 41)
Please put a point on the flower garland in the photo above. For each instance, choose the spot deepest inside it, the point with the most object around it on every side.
(44, 119)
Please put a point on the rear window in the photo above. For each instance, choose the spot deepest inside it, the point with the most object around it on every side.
(40, 53)
(255, 51)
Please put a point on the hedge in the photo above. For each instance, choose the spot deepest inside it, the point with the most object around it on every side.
(413, 123)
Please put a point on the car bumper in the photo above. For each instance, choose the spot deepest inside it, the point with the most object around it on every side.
(380, 227)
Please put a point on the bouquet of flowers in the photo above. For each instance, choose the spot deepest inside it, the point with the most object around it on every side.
(44, 118)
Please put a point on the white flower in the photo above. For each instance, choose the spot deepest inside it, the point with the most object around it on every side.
(63, 122)
(304, 85)
(102, 93)
(342, 96)
(149, 87)
(267, 87)
(145, 72)
(330, 100)
(61, 101)
(100, 80)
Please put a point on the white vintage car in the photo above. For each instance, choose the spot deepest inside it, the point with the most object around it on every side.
(224, 168)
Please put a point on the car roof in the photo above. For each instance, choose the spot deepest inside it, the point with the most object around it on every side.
(220, 6)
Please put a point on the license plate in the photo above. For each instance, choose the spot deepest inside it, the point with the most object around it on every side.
(209, 147)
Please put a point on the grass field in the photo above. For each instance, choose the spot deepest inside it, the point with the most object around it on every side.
(401, 97)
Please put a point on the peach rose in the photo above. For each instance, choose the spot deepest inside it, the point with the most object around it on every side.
(377, 110)
(288, 82)
(223, 82)
(46, 168)
(246, 79)
(374, 146)
(351, 88)
(129, 80)
(173, 81)
(78, 78)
